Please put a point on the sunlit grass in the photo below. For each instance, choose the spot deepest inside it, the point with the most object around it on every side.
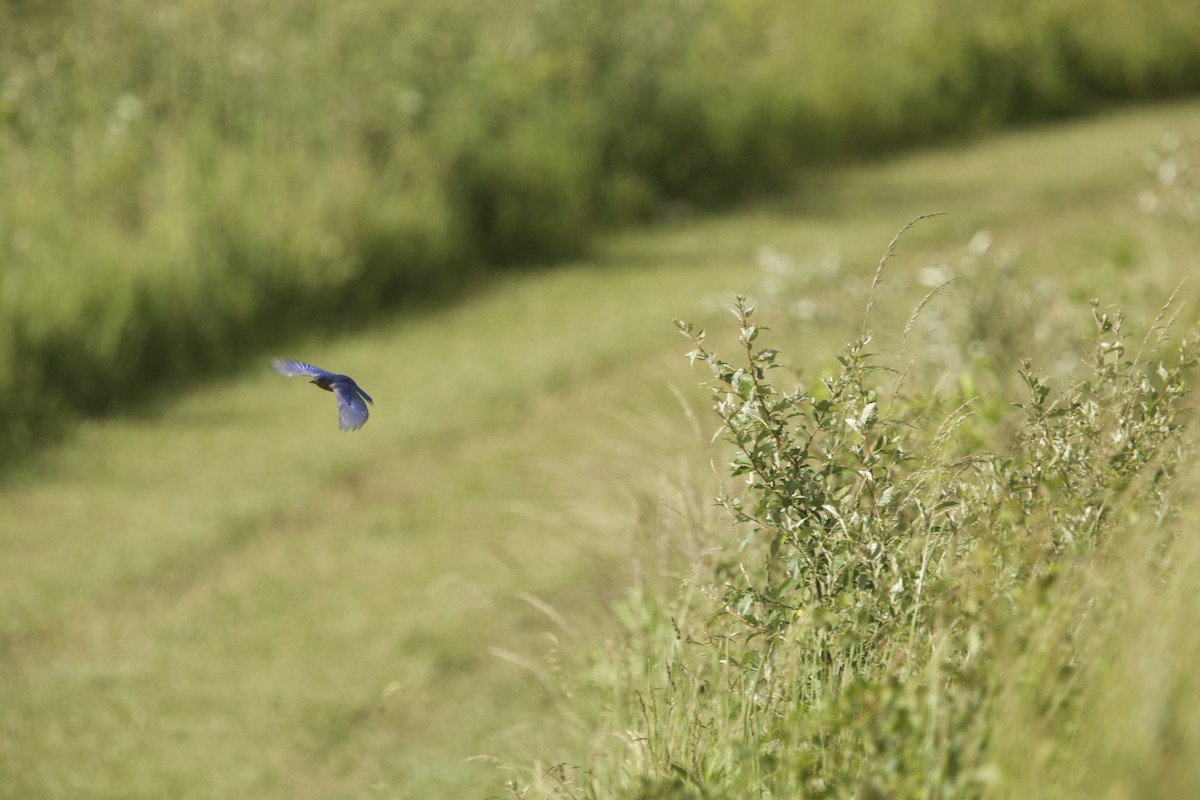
(221, 593)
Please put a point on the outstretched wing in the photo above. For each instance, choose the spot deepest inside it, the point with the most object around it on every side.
(291, 369)
(352, 411)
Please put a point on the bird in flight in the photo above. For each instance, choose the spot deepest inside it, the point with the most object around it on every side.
(352, 411)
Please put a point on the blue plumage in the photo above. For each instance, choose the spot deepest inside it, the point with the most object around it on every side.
(352, 410)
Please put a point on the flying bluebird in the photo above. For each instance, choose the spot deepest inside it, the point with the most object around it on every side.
(352, 411)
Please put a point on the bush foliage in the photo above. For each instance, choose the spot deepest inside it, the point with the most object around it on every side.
(891, 593)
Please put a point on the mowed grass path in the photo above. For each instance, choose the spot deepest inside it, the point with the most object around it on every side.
(224, 596)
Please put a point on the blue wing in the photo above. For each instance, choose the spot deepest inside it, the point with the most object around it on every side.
(351, 400)
(352, 411)
(291, 369)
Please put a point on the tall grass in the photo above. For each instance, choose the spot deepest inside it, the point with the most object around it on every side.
(913, 596)
(184, 183)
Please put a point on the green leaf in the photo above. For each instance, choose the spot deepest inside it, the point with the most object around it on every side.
(743, 384)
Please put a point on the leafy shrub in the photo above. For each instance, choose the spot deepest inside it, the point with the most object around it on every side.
(890, 581)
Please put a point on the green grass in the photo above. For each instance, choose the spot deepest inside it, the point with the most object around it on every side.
(193, 183)
(220, 594)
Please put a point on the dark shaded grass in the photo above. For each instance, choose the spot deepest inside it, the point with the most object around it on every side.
(521, 137)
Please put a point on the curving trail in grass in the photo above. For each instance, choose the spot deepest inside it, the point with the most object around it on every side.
(225, 596)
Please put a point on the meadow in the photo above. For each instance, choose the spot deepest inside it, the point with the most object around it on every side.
(187, 185)
(512, 582)
(916, 520)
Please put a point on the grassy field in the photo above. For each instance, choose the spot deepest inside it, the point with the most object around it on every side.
(193, 183)
(221, 595)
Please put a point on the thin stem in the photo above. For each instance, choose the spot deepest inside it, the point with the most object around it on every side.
(887, 255)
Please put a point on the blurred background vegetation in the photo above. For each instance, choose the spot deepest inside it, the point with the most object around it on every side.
(187, 182)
